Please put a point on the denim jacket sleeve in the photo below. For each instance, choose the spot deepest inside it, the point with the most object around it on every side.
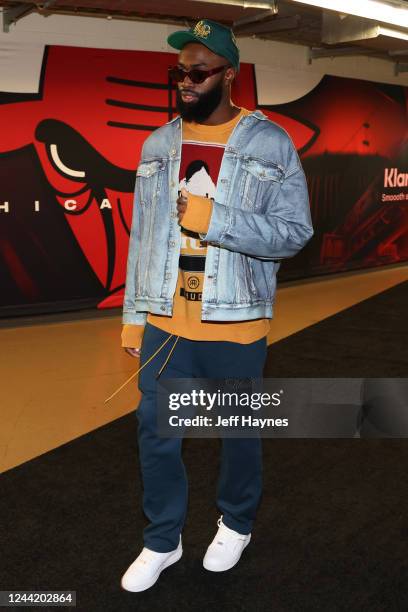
(130, 316)
(278, 233)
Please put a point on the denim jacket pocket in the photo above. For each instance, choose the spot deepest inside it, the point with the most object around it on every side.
(256, 176)
(149, 176)
(149, 168)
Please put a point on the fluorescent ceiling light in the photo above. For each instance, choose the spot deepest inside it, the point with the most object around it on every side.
(388, 12)
(392, 33)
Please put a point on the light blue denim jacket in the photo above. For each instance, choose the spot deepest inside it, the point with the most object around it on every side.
(260, 215)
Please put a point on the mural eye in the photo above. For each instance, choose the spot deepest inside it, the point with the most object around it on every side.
(69, 153)
(61, 166)
(72, 156)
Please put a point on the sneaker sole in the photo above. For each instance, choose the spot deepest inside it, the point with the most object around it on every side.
(224, 569)
(146, 585)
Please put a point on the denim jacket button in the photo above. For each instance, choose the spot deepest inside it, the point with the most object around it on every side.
(162, 308)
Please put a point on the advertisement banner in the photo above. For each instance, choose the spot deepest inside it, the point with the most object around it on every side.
(69, 153)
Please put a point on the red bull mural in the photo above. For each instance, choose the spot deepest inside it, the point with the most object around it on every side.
(68, 158)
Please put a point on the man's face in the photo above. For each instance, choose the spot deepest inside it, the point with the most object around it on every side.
(197, 101)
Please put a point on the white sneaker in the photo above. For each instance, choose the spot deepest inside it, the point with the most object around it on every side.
(146, 569)
(226, 548)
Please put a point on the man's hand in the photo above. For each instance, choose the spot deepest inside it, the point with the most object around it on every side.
(134, 352)
(182, 204)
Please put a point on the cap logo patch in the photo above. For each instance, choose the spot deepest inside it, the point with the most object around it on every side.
(202, 29)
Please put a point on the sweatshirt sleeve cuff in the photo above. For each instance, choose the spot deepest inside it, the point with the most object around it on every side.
(132, 335)
(198, 214)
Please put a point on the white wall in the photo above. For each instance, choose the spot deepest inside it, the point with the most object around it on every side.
(287, 65)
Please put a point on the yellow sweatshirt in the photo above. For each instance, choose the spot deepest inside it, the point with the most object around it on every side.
(202, 151)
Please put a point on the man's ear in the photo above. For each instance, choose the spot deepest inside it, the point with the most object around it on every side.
(230, 74)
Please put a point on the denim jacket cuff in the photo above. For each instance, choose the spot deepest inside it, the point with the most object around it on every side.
(134, 318)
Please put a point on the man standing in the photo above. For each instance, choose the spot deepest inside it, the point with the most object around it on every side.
(220, 199)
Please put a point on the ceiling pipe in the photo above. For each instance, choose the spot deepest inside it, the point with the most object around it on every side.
(270, 26)
(400, 67)
(397, 52)
(258, 4)
(322, 52)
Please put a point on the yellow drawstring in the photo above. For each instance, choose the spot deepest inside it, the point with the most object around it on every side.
(168, 357)
(141, 367)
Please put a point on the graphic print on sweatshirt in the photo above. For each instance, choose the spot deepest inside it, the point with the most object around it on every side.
(200, 165)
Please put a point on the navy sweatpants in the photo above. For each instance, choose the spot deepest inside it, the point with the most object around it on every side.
(164, 478)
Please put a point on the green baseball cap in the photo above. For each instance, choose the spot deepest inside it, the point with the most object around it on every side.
(217, 37)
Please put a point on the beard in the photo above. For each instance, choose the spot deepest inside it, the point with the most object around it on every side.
(203, 107)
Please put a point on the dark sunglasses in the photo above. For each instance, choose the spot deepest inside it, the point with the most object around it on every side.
(196, 76)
